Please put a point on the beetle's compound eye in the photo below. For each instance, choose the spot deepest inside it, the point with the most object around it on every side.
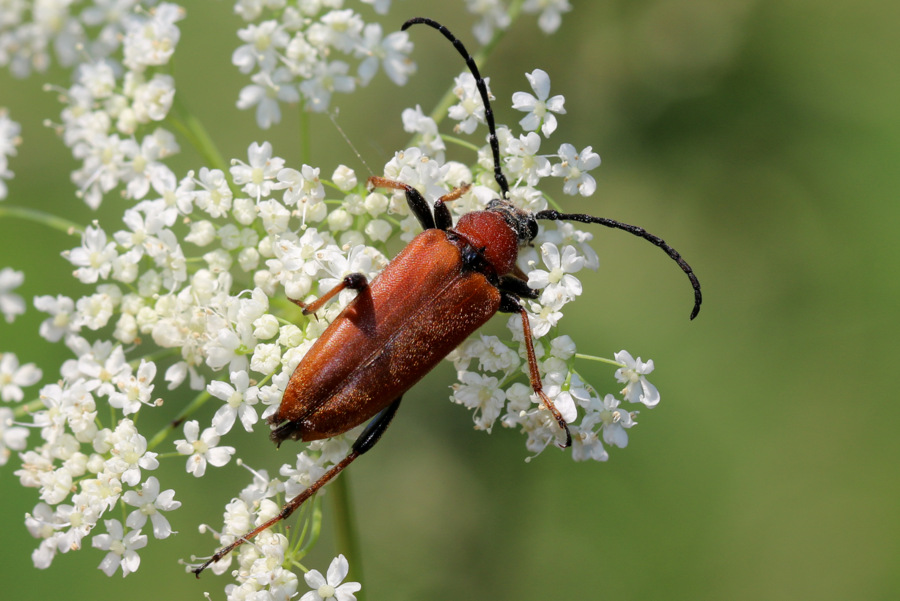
(532, 228)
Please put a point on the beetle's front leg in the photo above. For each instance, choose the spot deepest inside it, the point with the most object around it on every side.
(415, 201)
(441, 219)
(354, 281)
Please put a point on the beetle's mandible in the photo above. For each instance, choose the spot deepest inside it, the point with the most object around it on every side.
(442, 287)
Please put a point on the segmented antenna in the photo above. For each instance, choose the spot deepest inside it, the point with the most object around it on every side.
(640, 232)
(552, 215)
(482, 89)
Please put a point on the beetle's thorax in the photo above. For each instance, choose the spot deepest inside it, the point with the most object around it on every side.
(489, 233)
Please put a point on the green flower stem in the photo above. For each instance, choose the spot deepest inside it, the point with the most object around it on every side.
(179, 419)
(598, 359)
(305, 138)
(311, 518)
(553, 202)
(192, 129)
(28, 408)
(460, 142)
(51, 221)
(346, 532)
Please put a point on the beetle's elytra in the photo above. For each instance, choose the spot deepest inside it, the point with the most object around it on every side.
(443, 286)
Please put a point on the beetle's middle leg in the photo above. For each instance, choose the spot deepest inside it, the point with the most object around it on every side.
(513, 288)
(442, 217)
(363, 443)
(354, 281)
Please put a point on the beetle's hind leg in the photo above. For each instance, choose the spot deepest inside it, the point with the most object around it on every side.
(509, 303)
(363, 443)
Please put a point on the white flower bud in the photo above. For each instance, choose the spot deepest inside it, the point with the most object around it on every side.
(290, 336)
(344, 178)
(126, 329)
(457, 174)
(266, 358)
(230, 236)
(244, 210)
(248, 259)
(351, 238)
(563, 347)
(149, 283)
(316, 212)
(378, 230)
(219, 260)
(298, 286)
(354, 204)
(266, 281)
(339, 220)
(376, 204)
(131, 303)
(265, 247)
(265, 327)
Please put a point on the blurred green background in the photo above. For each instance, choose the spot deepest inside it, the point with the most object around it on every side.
(761, 139)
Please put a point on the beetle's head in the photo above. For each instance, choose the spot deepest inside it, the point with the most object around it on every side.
(521, 221)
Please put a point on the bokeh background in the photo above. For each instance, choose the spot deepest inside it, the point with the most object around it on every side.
(761, 138)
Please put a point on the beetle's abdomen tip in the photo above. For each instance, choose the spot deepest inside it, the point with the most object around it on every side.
(284, 430)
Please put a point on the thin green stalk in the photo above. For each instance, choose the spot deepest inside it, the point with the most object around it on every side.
(179, 419)
(192, 128)
(51, 221)
(460, 142)
(346, 531)
(598, 359)
(305, 137)
(28, 408)
(552, 202)
(308, 536)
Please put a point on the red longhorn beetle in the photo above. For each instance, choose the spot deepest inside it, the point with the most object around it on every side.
(441, 288)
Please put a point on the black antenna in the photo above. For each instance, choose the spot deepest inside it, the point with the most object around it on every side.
(639, 232)
(552, 215)
(482, 89)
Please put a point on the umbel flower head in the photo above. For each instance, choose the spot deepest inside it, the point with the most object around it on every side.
(179, 307)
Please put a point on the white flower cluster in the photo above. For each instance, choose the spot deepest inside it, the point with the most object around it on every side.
(191, 290)
(177, 274)
(32, 34)
(494, 14)
(9, 139)
(496, 391)
(260, 571)
(98, 464)
(290, 52)
(113, 107)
